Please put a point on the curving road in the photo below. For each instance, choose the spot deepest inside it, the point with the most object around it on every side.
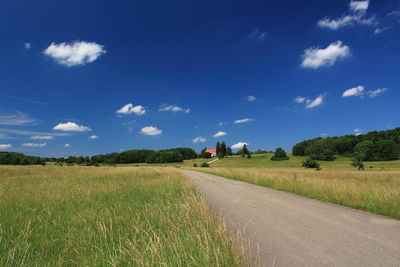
(296, 231)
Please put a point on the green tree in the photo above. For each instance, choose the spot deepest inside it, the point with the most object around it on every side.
(218, 147)
(280, 154)
(223, 149)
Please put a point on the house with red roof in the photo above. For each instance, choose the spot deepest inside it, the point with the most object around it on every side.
(213, 152)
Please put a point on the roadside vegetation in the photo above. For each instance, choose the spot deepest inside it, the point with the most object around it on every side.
(377, 192)
(107, 216)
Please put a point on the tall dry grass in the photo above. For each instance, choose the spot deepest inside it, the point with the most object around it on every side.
(107, 216)
(377, 192)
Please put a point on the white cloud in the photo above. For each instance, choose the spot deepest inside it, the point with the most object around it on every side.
(357, 130)
(5, 146)
(17, 119)
(32, 133)
(75, 53)
(360, 91)
(335, 24)
(244, 120)
(42, 137)
(377, 92)
(359, 6)
(251, 98)
(71, 127)
(219, 134)
(222, 123)
(150, 130)
(34, 144)
(239, 145)
(93, 137)
(27, 45)
(317, 57)
(199, 140)
(380, 30)
(358, 10)
(356, 91)
(300, 99)
(319, 100)
(173, 108)
(129, 109)
(67, 145)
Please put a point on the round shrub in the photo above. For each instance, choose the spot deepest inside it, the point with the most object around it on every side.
(204, 165)
(311, 164)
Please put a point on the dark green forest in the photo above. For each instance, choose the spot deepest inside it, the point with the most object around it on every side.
(372, 146)
(130, 156)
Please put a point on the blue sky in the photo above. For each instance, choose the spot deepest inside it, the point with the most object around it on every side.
(90, 77)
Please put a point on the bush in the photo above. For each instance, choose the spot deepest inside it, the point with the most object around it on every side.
(280, 154)
(311, 164)
(195, 165)
(204, 165)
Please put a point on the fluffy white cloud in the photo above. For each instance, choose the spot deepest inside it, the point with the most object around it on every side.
(251, 98)
(42, 137)
(27, 45)
(71, 127)
(359, 6)
(239, 145)
(318, 57)
(357, 130)
(150, 130)
(5, 146)
(319, 100)
(74, 53)
(219, 134)
(300, 99)
(199, 140)
(244, 120)
(34, 144)
(130, 109)
(377, 92)
(356, 91)
(358, 10)
(93, 137)
(67, 145)
(173, 108)
(17, 119)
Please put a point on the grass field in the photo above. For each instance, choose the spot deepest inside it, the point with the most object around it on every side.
(377, 192)
(107, 216)
(263, 161)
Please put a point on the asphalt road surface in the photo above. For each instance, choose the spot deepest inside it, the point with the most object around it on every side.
(292, 230)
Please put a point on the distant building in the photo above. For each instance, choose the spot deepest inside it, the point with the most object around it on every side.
(213, 152)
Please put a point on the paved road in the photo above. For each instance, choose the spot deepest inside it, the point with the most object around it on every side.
(296, 231)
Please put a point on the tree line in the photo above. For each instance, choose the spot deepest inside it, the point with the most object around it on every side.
(14, 158)
(372, 146)
(130, 156)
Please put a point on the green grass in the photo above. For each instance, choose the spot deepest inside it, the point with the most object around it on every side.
(107, 216)
(294, 162)
(377, 192)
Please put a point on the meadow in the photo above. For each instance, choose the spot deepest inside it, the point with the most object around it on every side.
(374, 191)
(294, 162)
(108, 216)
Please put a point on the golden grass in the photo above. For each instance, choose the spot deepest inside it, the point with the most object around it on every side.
(108, 216)
(378, 192)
